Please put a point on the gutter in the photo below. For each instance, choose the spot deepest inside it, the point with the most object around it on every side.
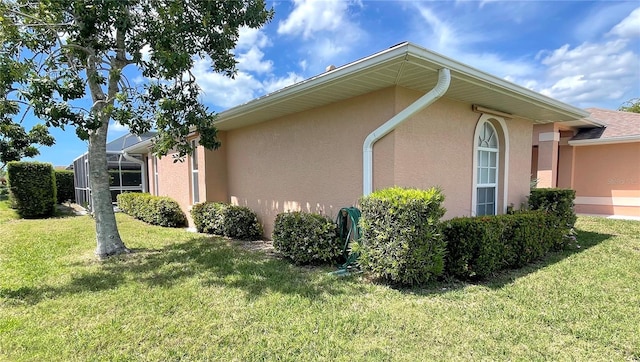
(605, 141)
(444, 79)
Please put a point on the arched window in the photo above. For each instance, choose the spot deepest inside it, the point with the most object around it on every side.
(487, 173)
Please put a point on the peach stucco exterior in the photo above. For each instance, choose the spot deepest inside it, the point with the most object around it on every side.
(312, 160)
(606, 177)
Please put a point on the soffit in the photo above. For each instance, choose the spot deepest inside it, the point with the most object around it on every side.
(406, 66)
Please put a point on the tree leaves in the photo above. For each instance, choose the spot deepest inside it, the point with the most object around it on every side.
(54, 51)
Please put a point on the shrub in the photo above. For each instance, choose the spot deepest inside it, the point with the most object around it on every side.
(206, 217)
(240, 222)
(480, 246)
(400, 239)
(232, 221)
(65, 189)
(306, 238)
(32, 188)
(155, 210)
(558, 202)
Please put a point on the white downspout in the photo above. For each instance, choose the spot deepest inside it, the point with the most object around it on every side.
(444, 79)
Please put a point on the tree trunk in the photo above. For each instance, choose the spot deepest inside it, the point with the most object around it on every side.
(107, 235)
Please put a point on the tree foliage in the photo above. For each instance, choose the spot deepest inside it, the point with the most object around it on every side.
(632, 105)
(64, 61)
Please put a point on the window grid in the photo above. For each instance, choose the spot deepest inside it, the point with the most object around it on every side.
(487, 171)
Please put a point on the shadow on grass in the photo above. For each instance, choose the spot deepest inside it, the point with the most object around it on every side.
(586, 240)
(209, 261)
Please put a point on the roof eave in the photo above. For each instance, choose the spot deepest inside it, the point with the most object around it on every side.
(605, 141)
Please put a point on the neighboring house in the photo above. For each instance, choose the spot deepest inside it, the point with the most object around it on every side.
(404, 116)
(601, 161)
(128, 171)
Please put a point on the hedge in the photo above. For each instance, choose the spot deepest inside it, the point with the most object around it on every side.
(306, 238)
(400, 240)
(480, 246)
(558, 202)
(65, 190)
(32, 189)
(237, 222)
(155, 210)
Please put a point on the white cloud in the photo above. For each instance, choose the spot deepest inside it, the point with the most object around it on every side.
(223, 92)
(309, 17)
(251, 37)
(329, 32)
(629, 27)
(275, 84)
(591, 72)
(252, 61)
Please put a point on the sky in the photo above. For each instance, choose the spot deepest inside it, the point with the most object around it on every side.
(584, 53)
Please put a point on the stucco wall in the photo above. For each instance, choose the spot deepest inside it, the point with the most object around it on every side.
(174, 179)
(607, 179)
(310, 161)
(436, 148)
(519, 176)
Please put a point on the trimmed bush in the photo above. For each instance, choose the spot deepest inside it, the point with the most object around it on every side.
(65, 189)
(400, 240)
(155, 210)
(206, 217)
(480, 246)
(237, 222)
(32, 189)
(306, 238)
(558, 202)
(240, 222)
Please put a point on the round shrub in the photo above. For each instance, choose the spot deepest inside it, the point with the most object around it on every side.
(306, 238)
(207, 217)
(239, 222)
(400, 240)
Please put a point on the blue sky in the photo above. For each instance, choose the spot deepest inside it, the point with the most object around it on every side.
(583, 53)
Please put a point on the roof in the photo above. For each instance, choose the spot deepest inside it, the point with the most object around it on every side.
(405, 65)
(127, 141)
(620, 127)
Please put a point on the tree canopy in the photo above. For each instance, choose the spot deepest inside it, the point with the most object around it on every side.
(632, 105)
(63, 60)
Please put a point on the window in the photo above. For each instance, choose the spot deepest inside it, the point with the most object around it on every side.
(487, 151)
(195, 191)
(156, 190)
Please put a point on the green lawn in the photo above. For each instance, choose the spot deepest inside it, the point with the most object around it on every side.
(184, 296)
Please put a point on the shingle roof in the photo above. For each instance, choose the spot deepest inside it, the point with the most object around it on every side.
(619, 124)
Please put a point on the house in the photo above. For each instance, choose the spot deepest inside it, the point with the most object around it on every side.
(601, 161)
(405, 116)
(128, 171)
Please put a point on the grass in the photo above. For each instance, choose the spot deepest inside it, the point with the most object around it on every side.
(184, 296)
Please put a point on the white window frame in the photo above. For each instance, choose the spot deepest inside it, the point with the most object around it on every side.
(156, 189)
(499, 126)
(195, 184)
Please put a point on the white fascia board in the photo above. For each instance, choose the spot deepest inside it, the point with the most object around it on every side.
(605, 141)
(404, 51)
(490, 82)
(314, 82)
